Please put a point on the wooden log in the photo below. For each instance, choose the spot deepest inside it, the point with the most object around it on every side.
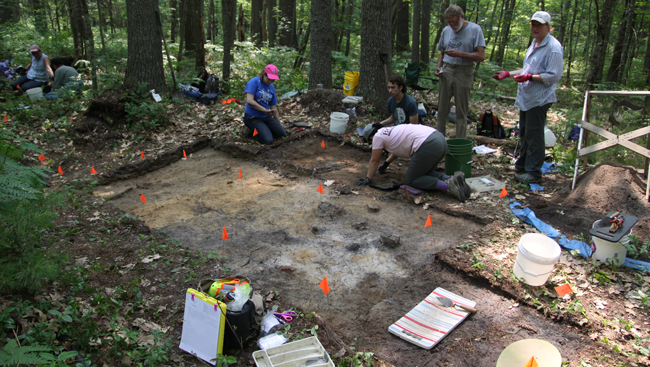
(487, 140)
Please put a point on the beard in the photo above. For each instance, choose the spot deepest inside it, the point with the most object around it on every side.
(459, 26)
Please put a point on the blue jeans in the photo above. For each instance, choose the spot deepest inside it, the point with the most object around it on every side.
(71, 85)
(267, 128)
(25, 83)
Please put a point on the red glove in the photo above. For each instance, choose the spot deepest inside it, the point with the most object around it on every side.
(523, 78)
(500, 75)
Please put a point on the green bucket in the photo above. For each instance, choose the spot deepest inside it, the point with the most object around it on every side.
(459, 157)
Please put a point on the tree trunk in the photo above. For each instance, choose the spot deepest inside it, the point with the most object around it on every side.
(415, 45)
(287, 34)
(425, 24)
(40, 16)
(615, 63)
(144, 62)
(496, 39)
(570, 49)
(90, 41)
(110, 16)
(489, 28)
(7, 11)
(272, 21)
(173, 4)
(402, 18)
(101, 26)
(630, 19)
(300, 59)
(77, 28)
(193, 27)
(442, 23)
(256, 22)
(646, 62)
(505, 31)
(209, 34)
(375, 39)
(604, 14)
(263, 17)
(241, 25)
(228, 19)
(320, 59)
(349, 11)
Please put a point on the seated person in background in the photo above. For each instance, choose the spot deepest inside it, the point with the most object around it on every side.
(261, 112)
(65, 77)
(38, 71)
(403, 109)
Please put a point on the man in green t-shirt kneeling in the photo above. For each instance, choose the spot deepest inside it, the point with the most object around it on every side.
(65, 77)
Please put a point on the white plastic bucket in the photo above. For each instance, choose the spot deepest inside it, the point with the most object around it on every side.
(338, 122)
(35, 93)
(615, 251)
(536, 258)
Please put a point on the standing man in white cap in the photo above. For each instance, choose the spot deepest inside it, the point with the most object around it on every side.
(461, 45)
(38, 71)
(535, 95)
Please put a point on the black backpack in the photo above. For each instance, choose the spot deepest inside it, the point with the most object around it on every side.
(489, 125)
(208, 82)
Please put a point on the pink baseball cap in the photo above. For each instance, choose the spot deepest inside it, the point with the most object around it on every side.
(272, 72)
(34, 48)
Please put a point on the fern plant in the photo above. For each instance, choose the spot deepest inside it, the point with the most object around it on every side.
(14, 355)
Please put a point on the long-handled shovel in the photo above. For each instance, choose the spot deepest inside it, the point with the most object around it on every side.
(176, 94)
(384, 59)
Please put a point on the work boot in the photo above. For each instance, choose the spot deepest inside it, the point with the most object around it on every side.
(456, 189)
(460, 176)
(528, 178)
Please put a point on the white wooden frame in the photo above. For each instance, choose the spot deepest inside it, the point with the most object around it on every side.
(612, 139)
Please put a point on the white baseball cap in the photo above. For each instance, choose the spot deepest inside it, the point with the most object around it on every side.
(542, 17)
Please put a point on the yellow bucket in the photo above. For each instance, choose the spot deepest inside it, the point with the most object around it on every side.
(351, 82)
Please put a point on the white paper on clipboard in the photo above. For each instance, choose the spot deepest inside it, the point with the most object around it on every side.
(203, 326)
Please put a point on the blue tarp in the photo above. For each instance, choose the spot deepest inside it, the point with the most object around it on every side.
(584, 250)
(548, 167)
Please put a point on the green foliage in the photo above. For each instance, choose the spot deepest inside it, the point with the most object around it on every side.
(636, 248)
(360, 359)
(142, 113)
(225, 361)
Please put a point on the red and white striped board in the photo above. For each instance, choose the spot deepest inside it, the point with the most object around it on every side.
(428, 322)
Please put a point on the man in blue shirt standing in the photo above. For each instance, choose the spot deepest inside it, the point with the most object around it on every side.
(261, 113)
(461, 45)
(535, 95)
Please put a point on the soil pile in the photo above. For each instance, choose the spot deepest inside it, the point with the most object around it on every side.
(604, 188)
(322, 102)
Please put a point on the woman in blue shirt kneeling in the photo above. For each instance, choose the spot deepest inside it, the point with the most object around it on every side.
(261, 113)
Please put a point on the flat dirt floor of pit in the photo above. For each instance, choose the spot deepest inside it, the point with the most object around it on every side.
(372, 246)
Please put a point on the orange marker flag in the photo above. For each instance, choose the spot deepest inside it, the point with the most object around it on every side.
(60, 171)
(405, 195)
(323, 285)
(563, 290)
(225, 236)
(320, 189)
(532, 362)
(92, 171)
(41, 157)
(255, 132)
(18, 86)
(142, 198)
(184, 155)
(142, 154)
(503, 193)
(323, 144)
(428, 223)
(6, 119)
(239, 174)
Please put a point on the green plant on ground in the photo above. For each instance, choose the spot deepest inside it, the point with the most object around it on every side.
(476, 262)
(225, 361)
(360, 359)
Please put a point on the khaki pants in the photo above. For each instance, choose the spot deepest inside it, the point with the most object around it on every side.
(455, 81)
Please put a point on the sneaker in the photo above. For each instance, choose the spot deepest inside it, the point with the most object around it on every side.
(456, 189)
(460, 176)
(528, 178)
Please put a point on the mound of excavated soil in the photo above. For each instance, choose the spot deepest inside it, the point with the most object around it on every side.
(598, 191)
(322, 102)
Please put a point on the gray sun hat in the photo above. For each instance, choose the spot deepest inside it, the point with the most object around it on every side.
(542, 17)
(367, 131)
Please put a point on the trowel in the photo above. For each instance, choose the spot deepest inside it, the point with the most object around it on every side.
(449, 303)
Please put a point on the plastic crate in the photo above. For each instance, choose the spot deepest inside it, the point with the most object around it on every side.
(295, 354)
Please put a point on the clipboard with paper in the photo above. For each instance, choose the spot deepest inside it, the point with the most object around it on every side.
(204, 322)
